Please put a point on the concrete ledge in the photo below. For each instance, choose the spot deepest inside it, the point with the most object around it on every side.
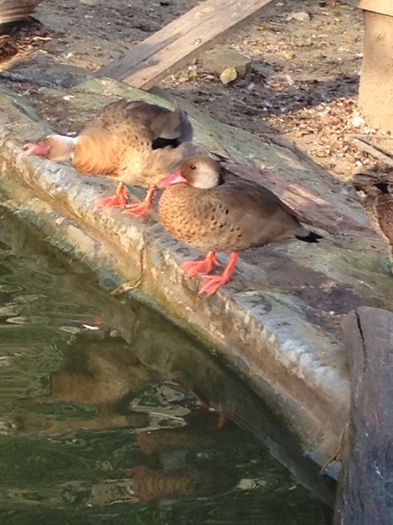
(276, 322)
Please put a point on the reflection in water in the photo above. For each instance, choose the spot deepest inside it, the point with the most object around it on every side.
(104, 412)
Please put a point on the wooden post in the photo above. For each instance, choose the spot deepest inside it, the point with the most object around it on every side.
(365, 495)
(376, 80)
(15, 10)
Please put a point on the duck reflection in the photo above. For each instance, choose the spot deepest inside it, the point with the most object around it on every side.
(101, 373)
(136, 370)
(170, 470)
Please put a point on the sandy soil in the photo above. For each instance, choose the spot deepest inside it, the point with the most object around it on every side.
(304, 77)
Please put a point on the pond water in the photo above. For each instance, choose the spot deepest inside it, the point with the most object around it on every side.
(109, 414)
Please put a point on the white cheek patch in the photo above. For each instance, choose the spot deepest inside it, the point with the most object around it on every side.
(69, 140)
(72, 141)
(207, 178)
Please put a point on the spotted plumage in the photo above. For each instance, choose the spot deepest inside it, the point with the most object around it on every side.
(198, 208)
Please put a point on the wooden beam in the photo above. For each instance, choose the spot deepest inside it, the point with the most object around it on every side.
(383, 7)
(365, 488)
(174, 45)
(363, 144)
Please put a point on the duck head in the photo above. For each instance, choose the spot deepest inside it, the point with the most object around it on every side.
(200, 172)
(53, 147)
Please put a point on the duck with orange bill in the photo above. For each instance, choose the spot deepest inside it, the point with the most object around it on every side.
(134, 142)
(202, 209)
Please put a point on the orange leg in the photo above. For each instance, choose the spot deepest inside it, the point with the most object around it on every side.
(140, 208)
(118, 200)
(211, 283)
(192, 268)
(222, 419)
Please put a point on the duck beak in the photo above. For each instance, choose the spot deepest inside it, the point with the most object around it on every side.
(173, 178)
(36, 148)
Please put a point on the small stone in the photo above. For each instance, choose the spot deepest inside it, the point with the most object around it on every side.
(90, 3)
(221, 58)
(147, 26)
(300, 16)
(228, 75)
(289, 80)
(357, 121)
(288, 55)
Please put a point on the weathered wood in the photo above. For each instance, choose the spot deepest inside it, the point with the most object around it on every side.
(376, 80)
(372, 150)
(15, 10)
(175, 44)
(366, 495)
(384, 7)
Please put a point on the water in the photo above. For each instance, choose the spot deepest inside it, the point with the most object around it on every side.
(106, 412)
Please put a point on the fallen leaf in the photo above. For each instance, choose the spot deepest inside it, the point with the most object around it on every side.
(256, 51)
(288, 55)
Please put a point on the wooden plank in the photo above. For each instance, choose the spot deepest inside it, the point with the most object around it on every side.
(383, 7)
(365, 493)
(378, 153)
(175, 44)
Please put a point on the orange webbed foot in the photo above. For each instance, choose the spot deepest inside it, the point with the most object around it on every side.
(141, 208)
(114, 201)
(211, 283)
(193, 268)
(138, 209)
(118, 200)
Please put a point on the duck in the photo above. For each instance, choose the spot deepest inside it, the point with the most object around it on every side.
(203, 208)
(376, 195)
(134, 142)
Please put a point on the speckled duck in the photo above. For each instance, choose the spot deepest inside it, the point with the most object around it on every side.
(200, 208)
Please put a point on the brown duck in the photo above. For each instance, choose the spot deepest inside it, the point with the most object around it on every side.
(377, 200)
(135, 142)
(199, 208)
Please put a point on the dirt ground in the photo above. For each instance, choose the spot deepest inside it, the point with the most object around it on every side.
(303, 82)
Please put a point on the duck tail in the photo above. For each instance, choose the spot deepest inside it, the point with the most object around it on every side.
(178, 124)
(309, 236)
(185, 126)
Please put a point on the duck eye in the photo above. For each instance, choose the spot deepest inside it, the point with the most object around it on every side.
(193, 167)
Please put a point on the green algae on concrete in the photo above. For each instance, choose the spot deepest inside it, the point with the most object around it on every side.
(276, 322)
